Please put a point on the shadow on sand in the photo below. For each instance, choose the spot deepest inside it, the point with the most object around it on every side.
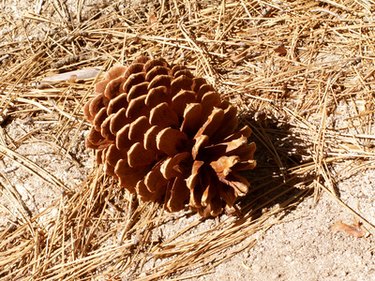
(279, 177)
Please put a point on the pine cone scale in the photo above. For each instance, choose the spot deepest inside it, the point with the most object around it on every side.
(192, 183)
(214, 121)
(138, 128)
(149, 141)
(133, 80)
(163, 116)
(117, 121)
(113, 88)
(157, 96)
(154, 181)
(138, 156)
(137, 91)
(178, 194)
(137, 107)
(170, 141)
(118, 103)
(172, 167)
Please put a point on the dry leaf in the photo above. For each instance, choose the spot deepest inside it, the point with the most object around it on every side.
(70, 76)
(152, 18)
(281, 50)
(354, 230)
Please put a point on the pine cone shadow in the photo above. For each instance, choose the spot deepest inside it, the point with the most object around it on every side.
(276, 179)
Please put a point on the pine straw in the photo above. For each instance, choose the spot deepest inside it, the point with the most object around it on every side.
(301, 74)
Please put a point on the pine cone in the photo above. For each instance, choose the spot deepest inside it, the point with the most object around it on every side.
(167, 136)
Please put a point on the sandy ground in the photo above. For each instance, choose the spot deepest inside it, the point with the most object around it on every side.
(301, 247)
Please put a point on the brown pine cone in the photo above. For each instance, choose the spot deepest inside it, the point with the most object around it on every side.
(169, 137)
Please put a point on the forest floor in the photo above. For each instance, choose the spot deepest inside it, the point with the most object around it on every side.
(302, 75)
